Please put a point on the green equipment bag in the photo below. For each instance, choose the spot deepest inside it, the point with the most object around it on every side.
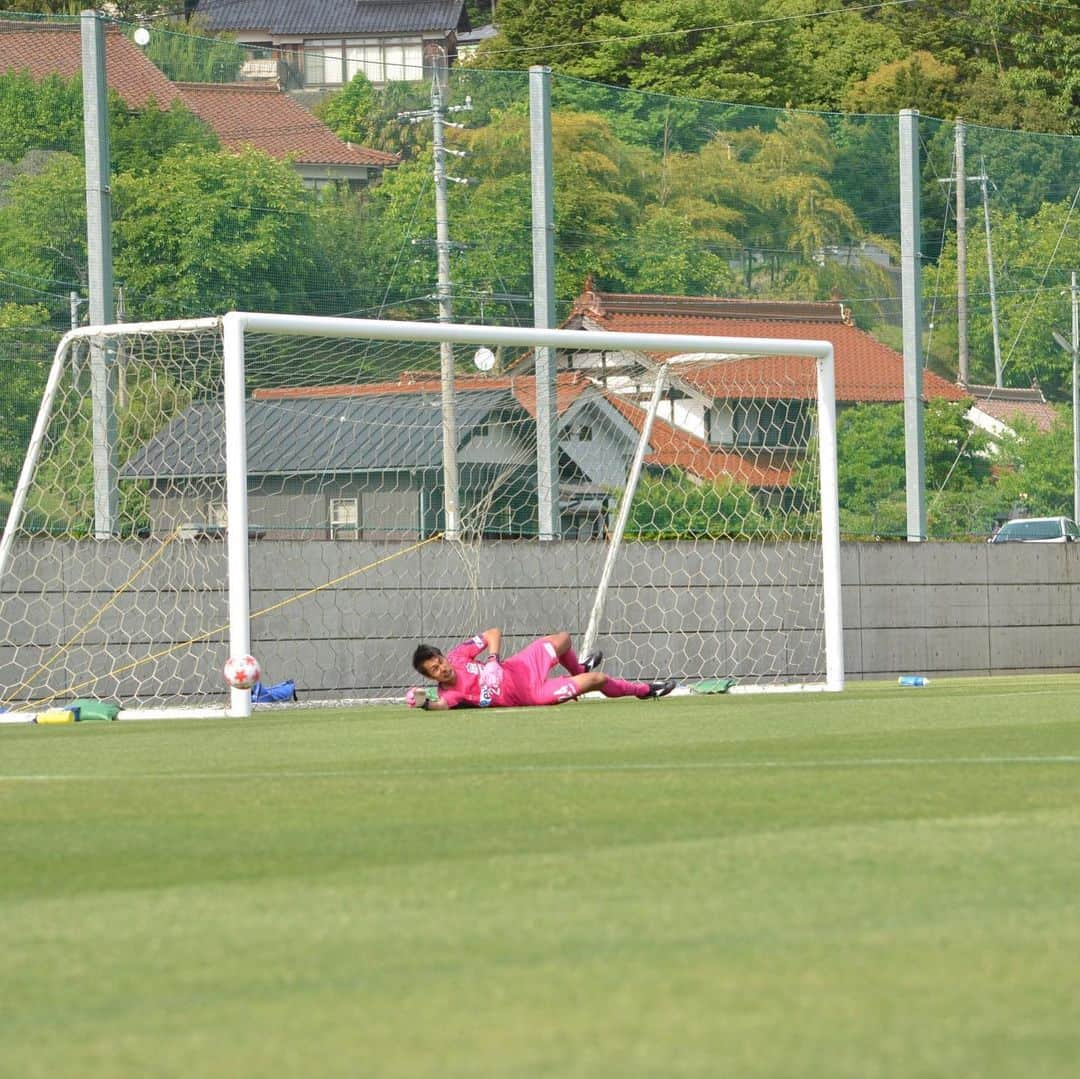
(95, 710)
(713, 685)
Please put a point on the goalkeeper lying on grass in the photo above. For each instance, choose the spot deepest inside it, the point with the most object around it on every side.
(520, 679)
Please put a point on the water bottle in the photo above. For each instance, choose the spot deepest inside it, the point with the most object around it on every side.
(913, 680)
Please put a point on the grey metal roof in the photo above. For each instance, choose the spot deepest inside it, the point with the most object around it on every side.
(314, 18)
(313, 436)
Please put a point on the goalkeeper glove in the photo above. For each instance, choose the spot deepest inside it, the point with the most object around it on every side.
(417, 698)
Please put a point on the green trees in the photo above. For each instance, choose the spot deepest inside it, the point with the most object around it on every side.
(1031, 256)
(43, 224)
(38, 116)
(207, 232)
(727, 50)
(998, 62)
(24, 348)
(963, 495)
(675, 506)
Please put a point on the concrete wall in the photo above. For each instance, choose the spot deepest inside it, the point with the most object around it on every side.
(954, 609)
(940, 609)
(936, 609)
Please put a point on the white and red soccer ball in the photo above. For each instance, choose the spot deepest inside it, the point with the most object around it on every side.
(241, 672)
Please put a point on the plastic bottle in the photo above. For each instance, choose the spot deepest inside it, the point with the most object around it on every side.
(913, 680)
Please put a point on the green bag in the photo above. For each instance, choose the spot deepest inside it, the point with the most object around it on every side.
(95, 710)
(713, 685)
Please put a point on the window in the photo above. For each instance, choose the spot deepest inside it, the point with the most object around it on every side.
(779, 424)
(344, 518)
(366, 57)
(403, 62)
(322, 63)
(217, 515)
(334, 61)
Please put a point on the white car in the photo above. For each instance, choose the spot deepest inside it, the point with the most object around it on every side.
(1037, 530)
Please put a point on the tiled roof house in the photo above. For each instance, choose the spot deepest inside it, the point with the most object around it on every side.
(264, 117)
(670, 446)
(367, 459)
(997, 408)
(759, 406)
(319, 45)
(240, 115)
(866, 370)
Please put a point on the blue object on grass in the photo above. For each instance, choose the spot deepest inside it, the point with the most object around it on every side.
(283, 691)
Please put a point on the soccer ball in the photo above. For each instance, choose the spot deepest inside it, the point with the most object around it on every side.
(242, 672)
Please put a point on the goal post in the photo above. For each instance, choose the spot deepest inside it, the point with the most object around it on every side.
(282, 493)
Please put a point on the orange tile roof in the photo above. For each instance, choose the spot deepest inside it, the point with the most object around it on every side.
(269, 120)
(866, 370)
(569, 386)
(56, 49)
(239, 115)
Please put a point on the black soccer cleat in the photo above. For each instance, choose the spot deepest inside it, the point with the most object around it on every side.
(661, 688)
(591, 661)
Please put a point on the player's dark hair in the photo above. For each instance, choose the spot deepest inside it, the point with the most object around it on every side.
(423, 653)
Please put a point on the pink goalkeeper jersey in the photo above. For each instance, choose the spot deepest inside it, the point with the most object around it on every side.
(466, 688)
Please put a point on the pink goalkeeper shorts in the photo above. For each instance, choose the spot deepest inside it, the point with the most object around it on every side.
(525, 677)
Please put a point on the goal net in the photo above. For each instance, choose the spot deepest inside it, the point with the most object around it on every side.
(327, 493)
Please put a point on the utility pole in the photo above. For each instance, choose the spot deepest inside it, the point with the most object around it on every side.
(443, 293)
(983, 178)
(961, 259)
(961, 180)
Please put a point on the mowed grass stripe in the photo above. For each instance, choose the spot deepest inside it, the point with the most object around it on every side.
(510, 769)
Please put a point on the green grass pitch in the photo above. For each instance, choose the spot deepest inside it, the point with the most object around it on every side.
(884, 882)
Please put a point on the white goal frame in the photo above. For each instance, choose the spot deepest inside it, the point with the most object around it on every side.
(235, 325)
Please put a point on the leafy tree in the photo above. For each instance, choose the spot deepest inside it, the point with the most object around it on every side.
(830, 53)
(45, 115)
(398, 211)
(352, 112)
(43, 224)
(919, 81)
(872, 471)
(361, 114)
(140, 138)
(1032, 258)
(676, 506)
(528, 27)
(660, 122)
(728, 50)
(767, 193)
(207, 232)
(669, 254)
(599, 185)
(26, 343)
(125, 9)
(1035, 468)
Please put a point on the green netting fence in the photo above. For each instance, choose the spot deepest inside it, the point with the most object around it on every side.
(653, 194)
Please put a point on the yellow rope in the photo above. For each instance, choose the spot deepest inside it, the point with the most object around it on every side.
(74, 690)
